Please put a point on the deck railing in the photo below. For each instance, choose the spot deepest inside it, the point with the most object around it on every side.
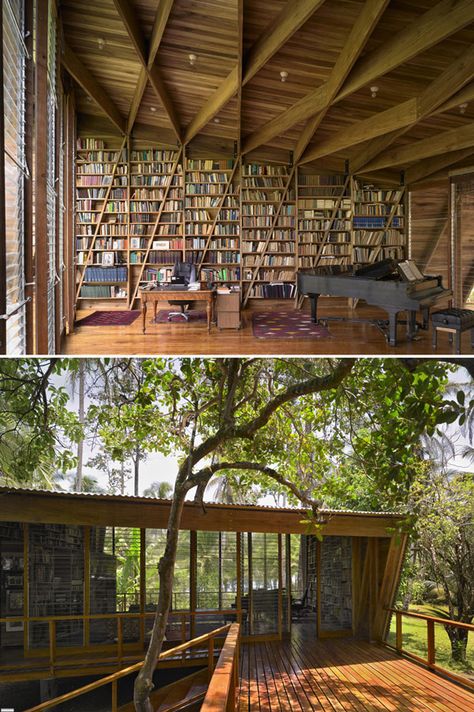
(223, 688)
(430, 660)
(230, 644)
(180, 621)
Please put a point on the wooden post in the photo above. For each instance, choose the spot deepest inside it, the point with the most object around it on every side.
(52, 645)
(280, 588)
(120, 638)
(41, 174)
(26, 586)
(398, 632)
(114, 696)
(210, 657)
(238, 554)
(192, 583)
(142, 584)
(87, 585)
(430, 631)
(288, 580)
(3, 242)
(69, 202)
(28, 225)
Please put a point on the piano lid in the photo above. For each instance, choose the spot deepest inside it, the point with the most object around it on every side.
(377, 270)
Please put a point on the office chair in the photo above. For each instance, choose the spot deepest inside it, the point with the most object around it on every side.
(184, 272)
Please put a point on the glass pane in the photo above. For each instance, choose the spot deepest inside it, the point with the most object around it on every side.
(336, 583)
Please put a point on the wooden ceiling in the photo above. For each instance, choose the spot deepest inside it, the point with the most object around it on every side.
(130, 62)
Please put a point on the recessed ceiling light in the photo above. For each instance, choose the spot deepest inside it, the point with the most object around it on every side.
(192, 59)
(153, 109)
(283, 76)
(101, 42)
(373, 91)
(463, 107)
(217, 120)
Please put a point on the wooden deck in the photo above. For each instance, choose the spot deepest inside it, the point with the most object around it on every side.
(341, 674)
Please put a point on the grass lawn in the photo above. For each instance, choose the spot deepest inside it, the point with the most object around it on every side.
(414, 641)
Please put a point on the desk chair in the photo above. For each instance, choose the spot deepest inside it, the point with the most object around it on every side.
(186, 272)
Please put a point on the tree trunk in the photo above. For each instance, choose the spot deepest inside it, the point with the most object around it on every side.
(80, 444)
(136, 470)
(144, 681)
(458, 638)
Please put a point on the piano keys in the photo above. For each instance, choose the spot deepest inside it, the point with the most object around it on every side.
(379, 285)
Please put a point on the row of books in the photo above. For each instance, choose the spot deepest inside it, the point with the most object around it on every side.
(274, 290)
(141, 206)
(163, 274)
(153, 193)
(102, 156)
(370, 195)
(264, 169)
(377, 222)
(222, 257)
(85, 169)
(101, 244)
(378, 209)
(270, 261)
(223, 244)
(137, 181)
(194, 178)
(106, 274)
(102, 291)
(324, 224)
(152, 154)
(140, 169)
(92, 143)
(209, 164)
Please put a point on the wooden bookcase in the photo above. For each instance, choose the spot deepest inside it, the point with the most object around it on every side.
(102, 221)
(140, 209)
(268, 214)
(378, 223)
(156, 216)
(324, 220)
(212, 218)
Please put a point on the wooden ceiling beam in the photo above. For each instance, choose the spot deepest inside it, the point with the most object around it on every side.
(402, 117)
(373, 148)
(355, 43)
(432, 27)
(429, 166)
(90, 85)
(453, 140)
(291, 18)
(149, 70)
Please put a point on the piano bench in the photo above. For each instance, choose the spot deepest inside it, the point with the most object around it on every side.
(454, 321)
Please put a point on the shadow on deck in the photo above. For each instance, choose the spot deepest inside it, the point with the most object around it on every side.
(341, 674)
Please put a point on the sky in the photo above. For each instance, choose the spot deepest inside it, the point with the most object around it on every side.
(158, 468)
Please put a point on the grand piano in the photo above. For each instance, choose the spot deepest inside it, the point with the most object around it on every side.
(381, 285)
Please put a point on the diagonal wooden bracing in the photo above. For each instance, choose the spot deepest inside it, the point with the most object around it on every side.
(430, 166)
(402, 116)
(360, 33)
(432, 27)
(132, 25)
(453, 140)
(292, 17)
(90, 85)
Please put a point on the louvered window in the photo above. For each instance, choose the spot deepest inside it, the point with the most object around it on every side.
(16, 170)
(51, 174)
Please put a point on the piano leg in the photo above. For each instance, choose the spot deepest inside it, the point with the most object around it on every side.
(314, 307)
(411, 325)
(392, 327)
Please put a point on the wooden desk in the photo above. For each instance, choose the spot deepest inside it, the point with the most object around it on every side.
(161, 294)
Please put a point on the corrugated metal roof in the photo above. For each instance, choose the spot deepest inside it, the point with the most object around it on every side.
(128, 498)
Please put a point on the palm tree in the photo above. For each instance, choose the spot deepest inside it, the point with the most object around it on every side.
(159, 490)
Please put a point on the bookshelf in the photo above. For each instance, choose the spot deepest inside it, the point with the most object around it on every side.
(378, 223)
(268, 213)
(212, 218)
(102, 219)
(324, 220)
(156, 216)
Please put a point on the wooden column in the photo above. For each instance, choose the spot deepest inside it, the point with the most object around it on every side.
(390, 579)
(26, 585)
(87, 585)
(40, 174)
(142, 584)
(193, 581)
(288, 580)
(238, 554)
(280, 587)
(28, 224)
(3, 246)
(69, 202)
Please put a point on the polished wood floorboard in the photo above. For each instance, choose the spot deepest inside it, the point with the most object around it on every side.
(188, 338)
(341, 674)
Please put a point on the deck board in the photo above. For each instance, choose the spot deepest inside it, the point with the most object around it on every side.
(341, 675)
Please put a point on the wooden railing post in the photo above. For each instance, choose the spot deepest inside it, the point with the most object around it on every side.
(210, 657)
(398, 631)
(114, 696)
(430, 631)
(120, 639)
(52, 645)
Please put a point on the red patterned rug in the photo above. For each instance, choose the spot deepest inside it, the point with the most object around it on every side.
(109, 318)
(287, 325)
(192, 314)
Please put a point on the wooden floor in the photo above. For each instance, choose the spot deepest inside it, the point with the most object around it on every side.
(341, 674)
(186, 339)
